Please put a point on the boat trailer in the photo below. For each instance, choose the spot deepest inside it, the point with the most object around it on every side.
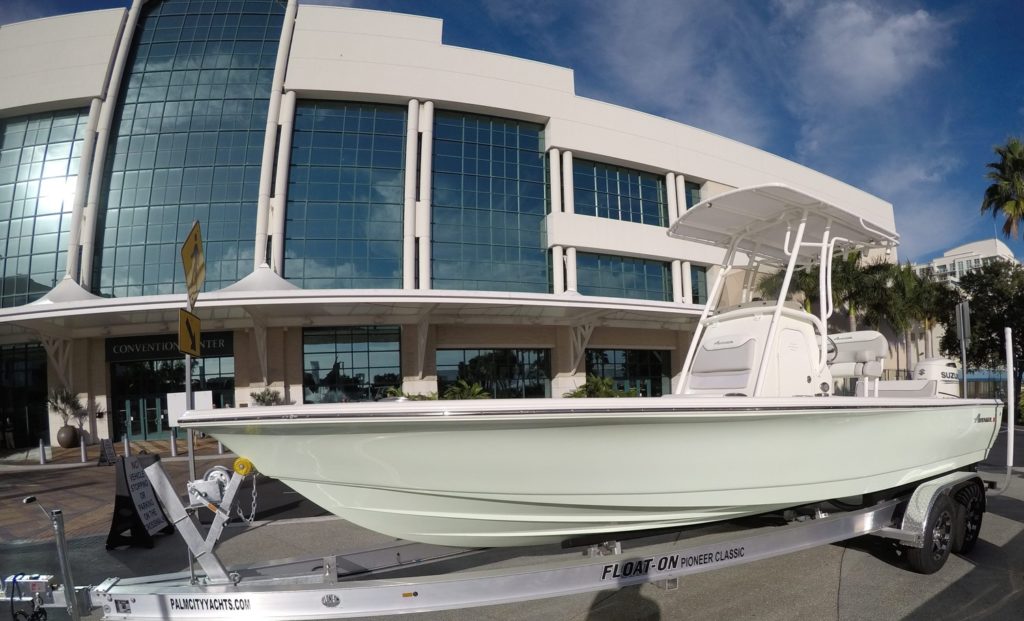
(935, 518)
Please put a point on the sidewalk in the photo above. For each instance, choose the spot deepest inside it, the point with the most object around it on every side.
(14, 460)
(83, 491)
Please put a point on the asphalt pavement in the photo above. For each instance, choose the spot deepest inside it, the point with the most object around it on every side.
(859, 579)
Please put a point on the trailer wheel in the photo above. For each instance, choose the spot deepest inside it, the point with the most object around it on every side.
(970, 506)
(938, 538)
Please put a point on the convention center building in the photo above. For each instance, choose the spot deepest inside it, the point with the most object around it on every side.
(377, 210)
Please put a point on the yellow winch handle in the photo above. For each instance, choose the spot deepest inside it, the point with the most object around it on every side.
(244, 467)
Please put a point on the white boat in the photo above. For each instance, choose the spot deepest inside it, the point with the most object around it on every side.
(751, 429)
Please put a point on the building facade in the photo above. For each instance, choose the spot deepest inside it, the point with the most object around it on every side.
(378, 210)
(954, 263)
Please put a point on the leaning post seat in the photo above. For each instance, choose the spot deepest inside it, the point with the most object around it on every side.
(859, 354)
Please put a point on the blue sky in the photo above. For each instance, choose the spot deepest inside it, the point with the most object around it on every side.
(903, 99)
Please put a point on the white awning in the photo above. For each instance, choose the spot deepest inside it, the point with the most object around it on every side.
(236, 308)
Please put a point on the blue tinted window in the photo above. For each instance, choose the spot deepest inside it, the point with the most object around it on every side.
(645, 370)
(504, 373)
(692, 193)
(350, 364)
(346, 196)
(39, 156)
(187, 144)
(623, 277)
(699, 284)
(488, 204)
(618, 193)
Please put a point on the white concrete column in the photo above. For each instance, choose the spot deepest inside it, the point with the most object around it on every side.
(557, 270)
(82, 189)
(423, 205)
(677, 281)
(270, 136)
(681, 194)
(568, 198)
(412, 134)
(556, 181)
(89, 215)
(279, 204)
(570, 270)
(687, 283)
(672, 193)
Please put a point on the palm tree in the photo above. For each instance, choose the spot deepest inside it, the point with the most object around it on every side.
(1005, 197)
(848, 283)
(804, 281)
(464, 390)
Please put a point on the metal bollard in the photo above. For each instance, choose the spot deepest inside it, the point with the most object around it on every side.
(174, 441)
(42, 452)
(127, 446)
(81, 447)
(220, 447)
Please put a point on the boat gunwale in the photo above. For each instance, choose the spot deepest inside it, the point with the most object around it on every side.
(855, 406)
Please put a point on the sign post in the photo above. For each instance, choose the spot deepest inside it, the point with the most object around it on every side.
(963, 331)
(189, 329)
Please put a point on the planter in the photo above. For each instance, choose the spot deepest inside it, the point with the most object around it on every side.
(67, 437)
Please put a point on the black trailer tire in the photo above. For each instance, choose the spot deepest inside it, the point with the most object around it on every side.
(970, 506)
(938, 538)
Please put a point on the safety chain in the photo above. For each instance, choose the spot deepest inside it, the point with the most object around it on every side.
(252, 510)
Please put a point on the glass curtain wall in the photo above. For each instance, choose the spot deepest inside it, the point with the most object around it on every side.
(618, 193)
(187, 144)
(23, 414)
(345, 196)
(356, 363)
(504, 373)
(623, 277)
(699, 284)
(488, 204)
(39, 157)
(643, 369)
(692, 194)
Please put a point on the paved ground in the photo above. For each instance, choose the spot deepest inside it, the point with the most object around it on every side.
(857, 580)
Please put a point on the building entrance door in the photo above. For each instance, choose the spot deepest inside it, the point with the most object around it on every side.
(146, 417)
(144, 369)
(139, 394)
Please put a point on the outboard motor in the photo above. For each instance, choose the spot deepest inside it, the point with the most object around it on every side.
(944, 371)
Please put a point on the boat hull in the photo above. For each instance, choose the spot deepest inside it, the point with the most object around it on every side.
(501, 473)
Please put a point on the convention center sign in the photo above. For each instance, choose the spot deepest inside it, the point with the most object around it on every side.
(165, 347)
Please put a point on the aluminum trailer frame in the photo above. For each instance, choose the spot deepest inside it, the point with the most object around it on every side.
(358, 584)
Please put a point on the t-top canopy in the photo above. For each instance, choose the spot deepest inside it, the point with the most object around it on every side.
(759, 217)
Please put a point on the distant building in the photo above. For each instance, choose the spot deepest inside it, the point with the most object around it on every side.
(950, 268)
(953, 264)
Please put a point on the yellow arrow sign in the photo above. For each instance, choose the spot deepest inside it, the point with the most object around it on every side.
(194, 262)
(189, 333)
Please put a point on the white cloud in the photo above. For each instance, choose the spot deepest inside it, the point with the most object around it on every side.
(856, 55)
(930, 216)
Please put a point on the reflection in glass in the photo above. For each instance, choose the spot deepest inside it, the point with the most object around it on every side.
(39, 156)
(345, 196)
(618, 193)
(504, 373)
(488, 204)
(187, 144)
(623, 277)
(646, 370)
(350, 364)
